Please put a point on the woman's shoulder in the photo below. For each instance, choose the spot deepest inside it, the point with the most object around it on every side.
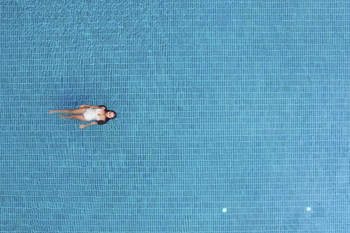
(102, 107)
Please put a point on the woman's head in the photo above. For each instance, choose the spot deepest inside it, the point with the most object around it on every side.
(110, 114)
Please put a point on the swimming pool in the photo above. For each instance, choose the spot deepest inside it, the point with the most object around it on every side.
(232, 116)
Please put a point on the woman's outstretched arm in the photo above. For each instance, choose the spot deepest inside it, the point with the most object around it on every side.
(83, 126)
(88, 106)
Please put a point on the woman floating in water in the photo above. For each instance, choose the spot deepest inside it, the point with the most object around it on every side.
(89, 113)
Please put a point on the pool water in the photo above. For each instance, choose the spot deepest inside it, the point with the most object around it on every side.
(232, 116)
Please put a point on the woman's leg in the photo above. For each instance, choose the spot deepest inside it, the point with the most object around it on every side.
(71, 111)
(77, 117)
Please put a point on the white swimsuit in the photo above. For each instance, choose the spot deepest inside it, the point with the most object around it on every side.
(92, 114)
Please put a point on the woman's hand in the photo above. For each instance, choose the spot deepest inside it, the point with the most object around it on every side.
(83, 106)
(82, 126)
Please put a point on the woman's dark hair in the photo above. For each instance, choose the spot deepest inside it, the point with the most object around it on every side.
(107, 119)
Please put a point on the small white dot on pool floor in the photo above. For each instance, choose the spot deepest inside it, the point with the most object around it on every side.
(308, 208)
(224, 210)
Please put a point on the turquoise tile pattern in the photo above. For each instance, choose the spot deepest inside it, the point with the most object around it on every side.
(233, 116)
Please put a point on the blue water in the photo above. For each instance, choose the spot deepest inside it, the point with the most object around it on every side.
(242, 105)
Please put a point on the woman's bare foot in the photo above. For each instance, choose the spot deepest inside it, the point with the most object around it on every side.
(53, 111)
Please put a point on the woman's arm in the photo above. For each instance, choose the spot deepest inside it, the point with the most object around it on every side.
(88, 106)
(83, 126)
